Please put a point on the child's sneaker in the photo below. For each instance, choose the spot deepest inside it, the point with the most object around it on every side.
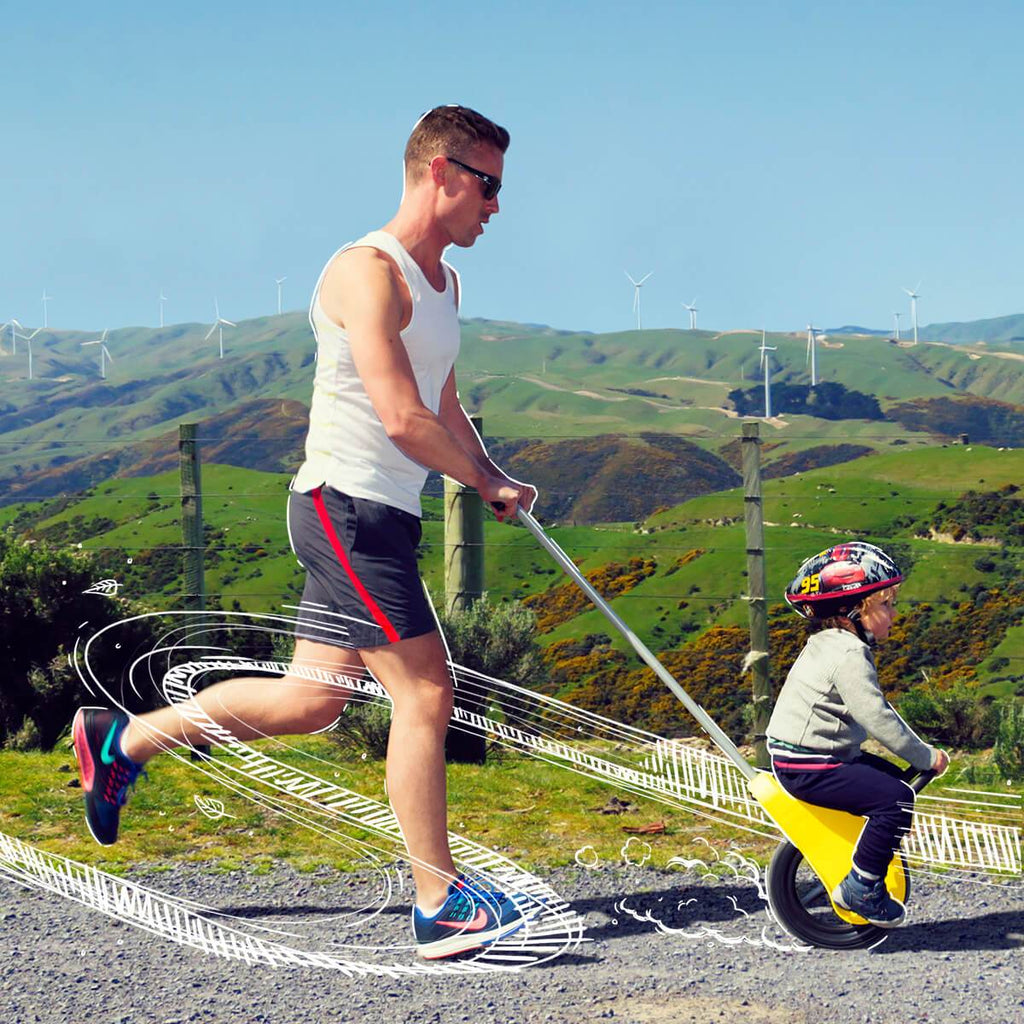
(471, 916)
(106, 773)
(870, 899)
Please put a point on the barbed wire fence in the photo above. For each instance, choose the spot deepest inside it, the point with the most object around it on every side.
(237, 511)
(248, 565)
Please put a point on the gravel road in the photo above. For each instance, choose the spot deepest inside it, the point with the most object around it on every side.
(959, 959)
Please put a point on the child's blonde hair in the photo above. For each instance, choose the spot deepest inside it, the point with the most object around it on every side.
(877, 597)
(843, 617)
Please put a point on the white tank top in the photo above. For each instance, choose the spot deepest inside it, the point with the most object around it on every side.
(347, 447)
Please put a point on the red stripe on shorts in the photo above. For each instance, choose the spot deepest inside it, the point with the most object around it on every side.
(379, 617)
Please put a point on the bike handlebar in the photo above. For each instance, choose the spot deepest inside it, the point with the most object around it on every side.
(918, 779)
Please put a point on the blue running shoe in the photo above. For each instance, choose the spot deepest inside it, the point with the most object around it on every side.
(106, 773)
(870, 899)
(471, 916)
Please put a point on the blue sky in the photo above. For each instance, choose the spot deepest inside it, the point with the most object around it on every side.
(778, 161)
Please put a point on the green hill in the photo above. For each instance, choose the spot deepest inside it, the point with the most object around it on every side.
(526, 378)
(981, 419)
(634, 443)
(648, 413)
(265, 433)
(698, 547)
(678, 578)
(611, 478)
(1008, 330)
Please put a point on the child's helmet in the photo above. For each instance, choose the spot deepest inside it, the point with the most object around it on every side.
(839, 578)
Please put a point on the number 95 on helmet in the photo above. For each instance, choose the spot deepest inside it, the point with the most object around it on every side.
(851, 570)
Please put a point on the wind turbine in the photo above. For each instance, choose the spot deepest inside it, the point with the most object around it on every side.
(163, 299)
(279, 281)
(812, 353)
(637, 285)
(16, 329)
(10, 323)
(104, 353)
(46, 299)
(766, 364)
(914, 296)
(28, 338)
(218, 325)
(896, 317)
(692, 309)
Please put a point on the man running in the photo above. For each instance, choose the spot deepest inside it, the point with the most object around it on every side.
(385, 409)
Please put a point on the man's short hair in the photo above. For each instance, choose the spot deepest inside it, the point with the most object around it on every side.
(450, 131)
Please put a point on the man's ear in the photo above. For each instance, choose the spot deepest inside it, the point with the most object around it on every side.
(439, 170)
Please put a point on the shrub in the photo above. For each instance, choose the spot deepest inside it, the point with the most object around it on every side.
(497, 640)
(560, 603)
(26, 738)
(364, 727)
(955, 716)
(573, 660)
(685, 559)
(44, 611)
(947, 647)
(1008, 753)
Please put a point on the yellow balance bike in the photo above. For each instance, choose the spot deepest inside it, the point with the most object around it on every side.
(818, 849)
(813, 859)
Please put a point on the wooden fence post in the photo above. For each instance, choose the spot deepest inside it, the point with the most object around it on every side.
(463, 586)
(192, 534)
(463, 542)
(191, 517)
(757, 659)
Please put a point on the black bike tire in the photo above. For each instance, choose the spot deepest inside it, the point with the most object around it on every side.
(793, 916)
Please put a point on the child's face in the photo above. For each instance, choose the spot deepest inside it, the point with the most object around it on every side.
(878, 616)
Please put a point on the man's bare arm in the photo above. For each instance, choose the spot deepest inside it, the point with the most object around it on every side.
(361, 293)
(455, 418)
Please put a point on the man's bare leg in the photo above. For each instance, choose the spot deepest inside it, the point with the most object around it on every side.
(251, 707)
(415, 674)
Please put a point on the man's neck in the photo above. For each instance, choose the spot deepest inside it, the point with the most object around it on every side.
(421, 237)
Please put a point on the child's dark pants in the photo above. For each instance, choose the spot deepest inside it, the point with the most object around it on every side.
(869, 786)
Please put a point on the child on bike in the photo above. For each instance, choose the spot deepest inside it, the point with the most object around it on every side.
(831, 702)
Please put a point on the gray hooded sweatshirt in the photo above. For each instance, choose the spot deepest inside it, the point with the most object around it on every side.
(831, 702)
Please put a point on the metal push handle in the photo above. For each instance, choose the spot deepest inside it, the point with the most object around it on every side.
(706, 722)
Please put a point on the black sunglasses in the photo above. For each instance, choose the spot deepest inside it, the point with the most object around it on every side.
(492, 185)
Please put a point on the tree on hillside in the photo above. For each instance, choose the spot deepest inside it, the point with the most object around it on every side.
(828, 401)
(976, 515)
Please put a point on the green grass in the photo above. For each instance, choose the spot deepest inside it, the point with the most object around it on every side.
(992, 673)
(535, 813)
(245, 513)
(867, 494)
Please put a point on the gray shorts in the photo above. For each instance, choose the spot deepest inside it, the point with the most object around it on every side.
(363, 585)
